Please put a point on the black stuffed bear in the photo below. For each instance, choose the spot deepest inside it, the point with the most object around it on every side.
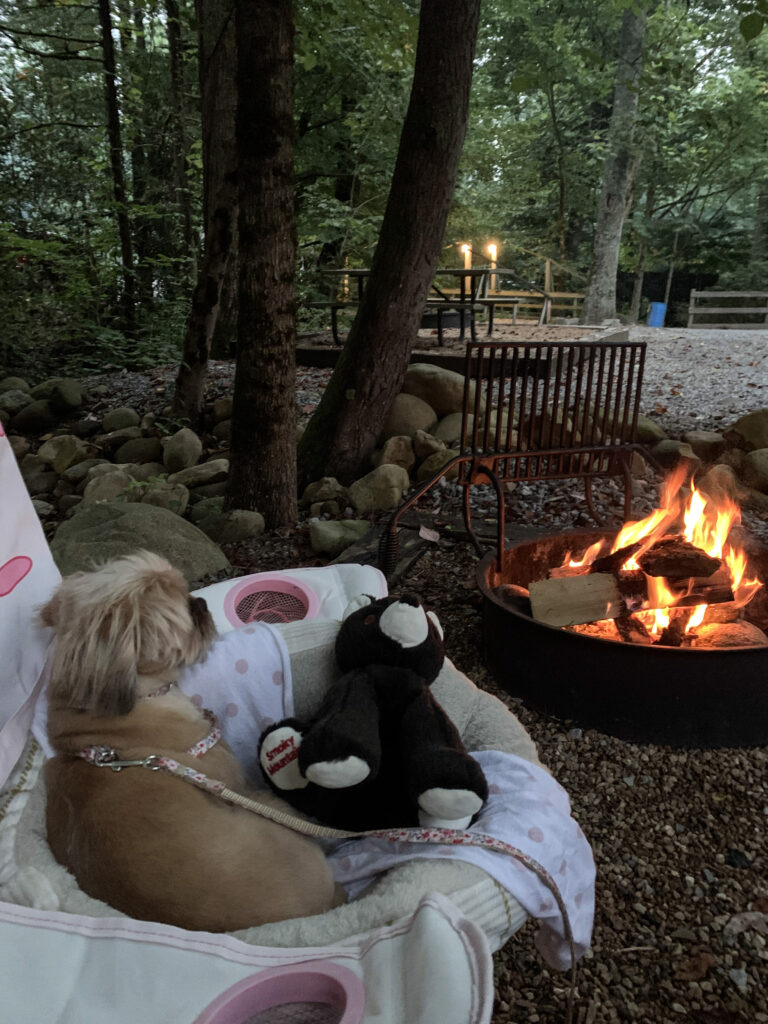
(380, 752)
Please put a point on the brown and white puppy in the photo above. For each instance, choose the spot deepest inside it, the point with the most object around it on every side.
(146, 842)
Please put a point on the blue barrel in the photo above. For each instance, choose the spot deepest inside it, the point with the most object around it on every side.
(656, 314)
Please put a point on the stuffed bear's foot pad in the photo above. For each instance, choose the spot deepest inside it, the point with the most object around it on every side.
(338, 774)
(279, 758)
(448, 808)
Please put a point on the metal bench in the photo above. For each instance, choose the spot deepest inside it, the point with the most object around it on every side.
(540, 411)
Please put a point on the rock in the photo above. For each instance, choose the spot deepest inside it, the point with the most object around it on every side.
(327, 488)
(233, 526)
(68, 502)
(211, 472)
(382, 488)
(42, 483)
(116, 438)
(649, 431)
(754, 469)
(97, 533)
(442, 390)
(425, 444)
(222, 410)
(148, 421)
(448, 430)
(140, 449)
(407, 415)
(324, 508)
(174, 497)
(435, 462)
(115, 485)
(14, 384)
(43, 508)
(63, 451)
(31, 464)
(13, 401)
(19, 446)
(181, 450)
(216, 490)
(223, 431)
(86, 427)
(36, 418)
(145, 472)
(208, 508)
(331, 537)
(64, 394)
(669, 453)
(707, 444)
(749, 432)
(398, 451)
(119, 419)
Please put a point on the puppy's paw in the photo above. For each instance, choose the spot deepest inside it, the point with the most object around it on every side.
(279, 758)
(338, 774)
(448, 808)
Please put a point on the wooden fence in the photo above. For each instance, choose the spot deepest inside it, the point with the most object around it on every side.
(719, 309)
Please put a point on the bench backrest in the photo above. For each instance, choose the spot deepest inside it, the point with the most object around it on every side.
(547, 410)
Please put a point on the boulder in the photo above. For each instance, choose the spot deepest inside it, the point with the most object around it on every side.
(44, 509)
(181, 450)
(407, 415)
(223, 431)
(327, 488)
(668, 453)
(649, 431)
(207, 508)
(13, 401)
(754, 470)
(116, 438)
(233, 526)
(97, 533)
(324, 508)
(42, 482)
(448, 430)
(211, 472)
(64, 394)
(425, 444)
(398, 451)
(63, 451)
(442, 390)
(119, 419)
(707, 444)
(174, 497)
(222, 410)
(382, 488)
(36, 418)
(749, 432)
(331, 537)
(146, 471)
(435, 462)
(19, 445)
(140, 449)
(116, 485)
(13, 384)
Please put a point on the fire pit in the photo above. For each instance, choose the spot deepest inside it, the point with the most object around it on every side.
(640, 677)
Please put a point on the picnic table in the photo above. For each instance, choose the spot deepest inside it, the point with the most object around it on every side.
(467, 294)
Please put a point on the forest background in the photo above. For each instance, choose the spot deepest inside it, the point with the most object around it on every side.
(529, 178)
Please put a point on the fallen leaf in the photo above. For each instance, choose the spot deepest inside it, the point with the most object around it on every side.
(697, 967)
(426, 534)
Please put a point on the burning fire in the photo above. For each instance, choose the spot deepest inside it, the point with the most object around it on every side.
(706, 523)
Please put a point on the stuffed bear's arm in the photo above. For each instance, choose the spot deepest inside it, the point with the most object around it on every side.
(345, 730)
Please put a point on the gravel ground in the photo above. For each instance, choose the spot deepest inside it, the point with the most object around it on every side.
(679, 836)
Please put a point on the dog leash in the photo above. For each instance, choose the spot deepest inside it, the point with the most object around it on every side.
(107, 757)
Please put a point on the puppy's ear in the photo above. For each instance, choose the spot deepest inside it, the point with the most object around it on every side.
(93, 665)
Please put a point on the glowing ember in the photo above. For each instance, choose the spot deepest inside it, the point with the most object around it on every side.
(704, 522)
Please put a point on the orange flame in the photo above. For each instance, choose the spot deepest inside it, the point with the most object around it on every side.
(706, 522)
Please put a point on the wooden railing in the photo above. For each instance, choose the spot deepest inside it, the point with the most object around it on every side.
(714, 304)
(533, 305)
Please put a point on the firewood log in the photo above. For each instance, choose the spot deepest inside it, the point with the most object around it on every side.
(676, 559)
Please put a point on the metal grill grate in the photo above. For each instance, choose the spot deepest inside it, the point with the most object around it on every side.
(270, 606)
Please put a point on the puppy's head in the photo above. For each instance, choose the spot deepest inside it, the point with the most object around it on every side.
(132, 616)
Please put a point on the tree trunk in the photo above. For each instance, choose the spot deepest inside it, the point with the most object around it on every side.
(218, 103)
(142, 224)
(178, 131)
(118, 173)
(263, 467)
(637, 284)
(600, 299)
(371, 368)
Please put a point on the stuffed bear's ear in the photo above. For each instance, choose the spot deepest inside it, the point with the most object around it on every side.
(361, 601)
(436, 624)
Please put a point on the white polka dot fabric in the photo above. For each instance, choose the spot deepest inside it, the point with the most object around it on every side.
(246, 682)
